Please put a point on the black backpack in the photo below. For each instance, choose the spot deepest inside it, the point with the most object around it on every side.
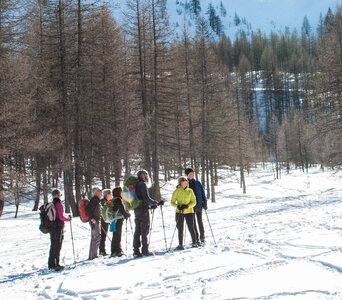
(47, 217)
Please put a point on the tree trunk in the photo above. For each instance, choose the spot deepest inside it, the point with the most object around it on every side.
(155, 154)
(45, 187)
(2, 171)
(38, 188)
(212, 180)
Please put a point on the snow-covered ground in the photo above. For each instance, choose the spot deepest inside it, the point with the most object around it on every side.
(282, 240)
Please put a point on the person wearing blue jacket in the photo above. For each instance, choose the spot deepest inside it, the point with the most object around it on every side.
(201, 203)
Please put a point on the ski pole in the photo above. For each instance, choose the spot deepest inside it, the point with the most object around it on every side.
(184, 237)
(130, 223)
(106, 234)
(73, 246)
(174, 231)
(210, 226)
(161, 210)
(126, 236)
(149, 239)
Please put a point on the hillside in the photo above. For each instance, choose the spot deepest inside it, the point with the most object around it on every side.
(280, 241)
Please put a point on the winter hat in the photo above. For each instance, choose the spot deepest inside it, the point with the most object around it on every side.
(106, 192)
(141, 172)
(56, 192)
(188, 171)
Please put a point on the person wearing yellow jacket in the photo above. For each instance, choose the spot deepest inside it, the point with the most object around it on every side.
(183, 198)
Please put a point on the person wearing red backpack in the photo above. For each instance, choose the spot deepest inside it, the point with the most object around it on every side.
(94, 213)
(56, 234)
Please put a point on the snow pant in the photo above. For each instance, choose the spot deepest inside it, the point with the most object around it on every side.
(116, 241)
(56, 238)
(180, 226)
(198, 217)
(142, 228)
(104, 231)
(95, 239)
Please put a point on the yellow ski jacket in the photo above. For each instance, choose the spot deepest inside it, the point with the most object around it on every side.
(184, 197)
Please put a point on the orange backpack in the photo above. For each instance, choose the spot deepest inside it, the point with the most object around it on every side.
(82, 204)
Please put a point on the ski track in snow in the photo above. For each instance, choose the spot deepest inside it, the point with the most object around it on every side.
(282, 240)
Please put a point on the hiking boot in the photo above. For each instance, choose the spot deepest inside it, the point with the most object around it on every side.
(180, 247)
(117, 254)
(103, 253)
(136, 253)
(59, 268)
(194, 245)
(147, 253)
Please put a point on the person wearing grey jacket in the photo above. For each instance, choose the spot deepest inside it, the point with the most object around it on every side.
(94, 213)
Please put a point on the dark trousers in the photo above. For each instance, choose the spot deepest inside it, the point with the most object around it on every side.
(180, 226)
(56, 238)
(142, 228)
(198, 217)
(104, 231)
(116, 241)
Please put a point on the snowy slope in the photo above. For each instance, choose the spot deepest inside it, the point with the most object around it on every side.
(266, 15)
(283, 240)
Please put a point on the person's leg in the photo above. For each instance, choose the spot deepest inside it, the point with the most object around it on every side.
(52, 261)
(200, 224)
(195, 223)
(180, 227)
(145, 229)
(117, 237)
(136, 239)
(104, 230)
(190, 224)
(95, 239)
(59, 241)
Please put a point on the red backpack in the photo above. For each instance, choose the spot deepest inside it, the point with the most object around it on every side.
(82, 204)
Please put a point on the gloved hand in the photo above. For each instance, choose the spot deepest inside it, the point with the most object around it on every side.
(180, 207)
(154, 206)
(185, 206)
(205, 206)
(127, 215)
(161, 202)
(70, 217)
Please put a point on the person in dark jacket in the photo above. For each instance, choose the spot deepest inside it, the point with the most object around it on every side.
(142, 215)
(56, 235)
(94, 213)
(201, 203)
(118, 206)
(107, 196)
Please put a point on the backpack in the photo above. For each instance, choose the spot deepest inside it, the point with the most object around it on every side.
(108, 213)
(47, 217)
(129, 196)
(82, 205)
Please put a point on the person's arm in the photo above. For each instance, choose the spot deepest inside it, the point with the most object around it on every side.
(192, 199)
(119, 206)
(145, 196)
(90, 209)
(204, 198)
(174, 199)
(60, 213)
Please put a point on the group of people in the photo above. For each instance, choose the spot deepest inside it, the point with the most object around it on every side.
(189, 199)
